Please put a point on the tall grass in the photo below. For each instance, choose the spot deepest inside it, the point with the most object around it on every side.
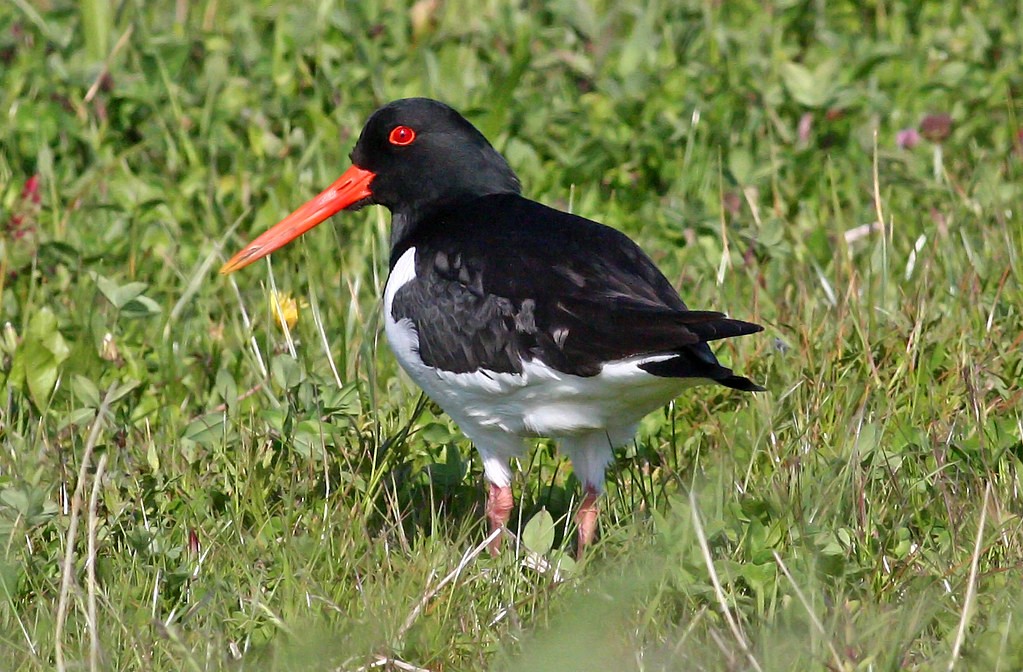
(179, 491)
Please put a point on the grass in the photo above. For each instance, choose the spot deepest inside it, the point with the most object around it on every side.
(178, 490)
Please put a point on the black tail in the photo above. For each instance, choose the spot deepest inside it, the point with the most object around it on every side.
(740, 383)
(697, 361)
(712, 326)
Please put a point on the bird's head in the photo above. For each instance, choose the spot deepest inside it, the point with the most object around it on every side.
(412, 156)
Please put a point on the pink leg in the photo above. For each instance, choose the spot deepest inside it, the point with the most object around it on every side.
(586, 520)
(499, 506)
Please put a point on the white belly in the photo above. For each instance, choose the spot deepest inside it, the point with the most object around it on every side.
(540, 401)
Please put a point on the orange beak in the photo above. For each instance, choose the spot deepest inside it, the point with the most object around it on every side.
(350, 188)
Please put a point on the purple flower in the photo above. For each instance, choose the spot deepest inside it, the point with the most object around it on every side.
(936, 127)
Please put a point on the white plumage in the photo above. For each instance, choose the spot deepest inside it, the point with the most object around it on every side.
(590, 416)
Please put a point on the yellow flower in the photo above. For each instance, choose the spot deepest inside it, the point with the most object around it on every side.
(288, 310)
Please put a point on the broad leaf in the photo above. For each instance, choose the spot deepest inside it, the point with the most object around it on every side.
(38, 359)
(538, 535)
(206, 430)
(118, 295)
(141, 306)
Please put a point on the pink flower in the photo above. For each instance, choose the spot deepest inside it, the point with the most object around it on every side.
(31, 189)
(804, 128)
(907, 138)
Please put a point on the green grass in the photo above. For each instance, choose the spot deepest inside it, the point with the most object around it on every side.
(229, 516)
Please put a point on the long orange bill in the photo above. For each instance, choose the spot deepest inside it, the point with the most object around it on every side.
(350, 188)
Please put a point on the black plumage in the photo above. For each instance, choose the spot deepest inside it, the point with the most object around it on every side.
(501, 280)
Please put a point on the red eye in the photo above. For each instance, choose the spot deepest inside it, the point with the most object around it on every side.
(401, 136)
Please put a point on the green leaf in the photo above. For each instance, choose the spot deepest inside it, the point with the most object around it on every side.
(538, 535)
(123, 389)
(286, 371)
(226, 388)
(141, 306)
(436, 432)
(206, 430)
(342, 400)
(11, 575)
(311, 436)
(30, 503)
(153, 457)
(118, 295)
(563, 563)
(451, 470)
(812, 88)
(79, 417)
(86, 391)
(17, 499)
(38, 359)
(275, 418)
(740, 165)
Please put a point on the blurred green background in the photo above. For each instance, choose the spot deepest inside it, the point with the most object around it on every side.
(183, 485)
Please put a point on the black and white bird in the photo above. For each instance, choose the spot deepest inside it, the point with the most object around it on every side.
(518, 320)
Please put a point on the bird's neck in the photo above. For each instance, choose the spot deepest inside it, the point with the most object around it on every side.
(406, 223)
(407, 220)
(402, 225)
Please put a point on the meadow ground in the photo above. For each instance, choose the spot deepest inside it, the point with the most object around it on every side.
(183, 486)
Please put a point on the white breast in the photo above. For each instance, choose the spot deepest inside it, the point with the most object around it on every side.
(538, 402)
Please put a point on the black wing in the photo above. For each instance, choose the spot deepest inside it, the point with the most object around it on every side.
(502, 279)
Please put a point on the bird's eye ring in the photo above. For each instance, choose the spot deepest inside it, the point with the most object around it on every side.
(401, 136)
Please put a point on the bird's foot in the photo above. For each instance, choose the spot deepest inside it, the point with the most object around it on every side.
(499, 506)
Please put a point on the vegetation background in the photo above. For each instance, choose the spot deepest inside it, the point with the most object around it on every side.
(184, 486)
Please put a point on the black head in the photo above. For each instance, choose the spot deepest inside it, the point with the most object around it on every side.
(424, 154)
(413, 156)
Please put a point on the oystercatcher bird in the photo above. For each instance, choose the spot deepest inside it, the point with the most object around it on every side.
(519, 320)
